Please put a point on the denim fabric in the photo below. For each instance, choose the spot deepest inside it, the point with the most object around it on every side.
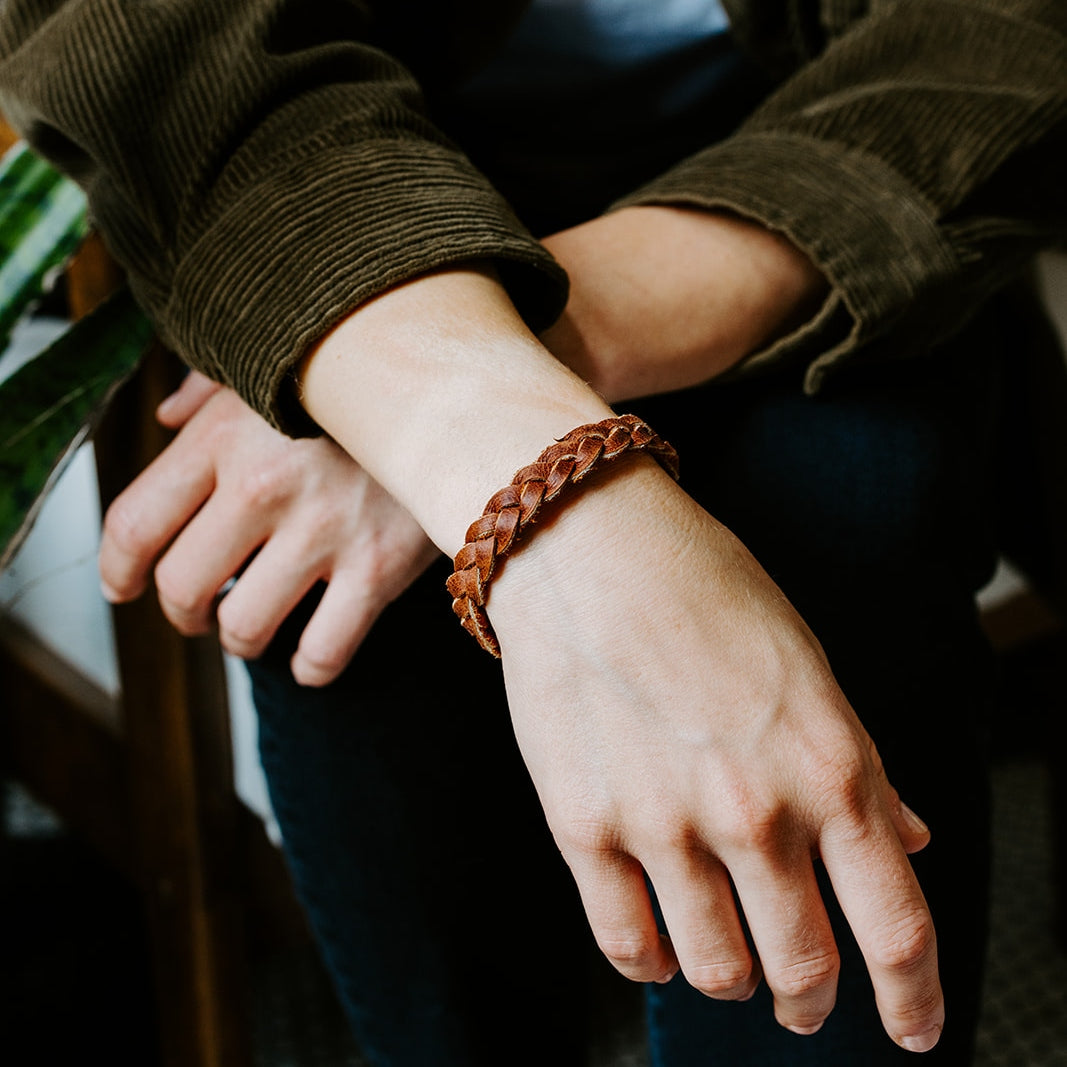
(416, 842)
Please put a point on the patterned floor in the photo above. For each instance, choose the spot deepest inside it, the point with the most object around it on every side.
(70, 957)
(1024, 1020)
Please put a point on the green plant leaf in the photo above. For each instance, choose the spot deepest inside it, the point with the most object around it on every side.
(49, 406)
(42, 221)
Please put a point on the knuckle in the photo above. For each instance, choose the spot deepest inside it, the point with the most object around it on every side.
(238, 647)
(661, 830)
(722, 980)
(764, 830)
(265, 488)
(848, 788)
(123, 527)
(324, 659)
(306, 674)
(752, 824)
(590, 832)
(181, 603)
(853, 785)
(842, 767)
(907, 944)
(632, 954)
(802, 977)
(240, 633)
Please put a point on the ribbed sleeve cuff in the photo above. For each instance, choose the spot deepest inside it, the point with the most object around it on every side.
(311, 243)
(875, 240)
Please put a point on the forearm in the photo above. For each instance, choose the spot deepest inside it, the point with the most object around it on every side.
(664, 298)
(256, 194)
(920, 157)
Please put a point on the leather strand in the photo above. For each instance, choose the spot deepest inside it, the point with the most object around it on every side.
(515, 507)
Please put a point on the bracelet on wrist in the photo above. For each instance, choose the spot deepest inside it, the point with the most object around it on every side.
(511, 510)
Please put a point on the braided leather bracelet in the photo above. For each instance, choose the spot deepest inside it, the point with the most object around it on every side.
(513, 508)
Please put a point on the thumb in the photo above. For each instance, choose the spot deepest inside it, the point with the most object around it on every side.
(178, 408)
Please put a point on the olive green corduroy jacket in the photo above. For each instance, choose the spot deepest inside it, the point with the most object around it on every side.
(261, 167)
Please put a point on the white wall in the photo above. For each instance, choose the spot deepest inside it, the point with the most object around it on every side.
(53, 588)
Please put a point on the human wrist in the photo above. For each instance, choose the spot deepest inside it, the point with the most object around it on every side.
(534, 490)
(557, 579)
(440, 391)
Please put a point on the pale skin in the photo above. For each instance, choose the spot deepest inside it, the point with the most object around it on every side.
(676, 715)
(230, 485)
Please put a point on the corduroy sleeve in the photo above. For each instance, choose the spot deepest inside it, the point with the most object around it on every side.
(258, 167)
(920, 159)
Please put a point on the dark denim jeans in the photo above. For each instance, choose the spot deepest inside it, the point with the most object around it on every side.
(442, 907)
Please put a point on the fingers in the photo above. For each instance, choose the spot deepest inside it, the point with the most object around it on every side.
(178, 408)
(277, 579)
(789, 926)
(285, 563)
(786, 917)
(207, 553)
(792, 934)
(697, 902)
(864, 849)
(884, 906)
(787, 921)
(343, 618)
(615, 897)
(272, 584)
(146, 516)
(707, 940)
(230, 491)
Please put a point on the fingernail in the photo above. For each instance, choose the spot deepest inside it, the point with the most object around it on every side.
(110, 595)
(667, 977)
(913, 820)
(921, 1042)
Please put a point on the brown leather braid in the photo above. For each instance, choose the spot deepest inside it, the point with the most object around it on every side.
(513, 508)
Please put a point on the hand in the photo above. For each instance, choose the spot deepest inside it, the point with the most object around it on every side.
(749, 762)
(680, 721)
(666, 297)
(231, 491)
(676, 715)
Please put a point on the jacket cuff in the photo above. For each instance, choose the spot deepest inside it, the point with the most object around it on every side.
(309, 244)
(874, 238)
